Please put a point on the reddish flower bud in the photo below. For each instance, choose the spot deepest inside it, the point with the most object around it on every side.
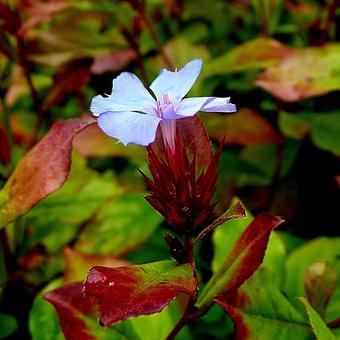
(183, 196)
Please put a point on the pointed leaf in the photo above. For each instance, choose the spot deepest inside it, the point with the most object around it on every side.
(236, 211)
(41, 171)
(226, 236)
(136, 290)
(320, 283)
(319, 327)
(242, 261)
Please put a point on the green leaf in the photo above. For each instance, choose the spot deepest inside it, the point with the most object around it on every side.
(326, 131)
(305, 73)
(43, 321)
(320, 249)
(260, 311)
(254, 54)
(120, 226)
(8, 325)
(83, 193)
(323, 127)
(159, 325)
(319, 327)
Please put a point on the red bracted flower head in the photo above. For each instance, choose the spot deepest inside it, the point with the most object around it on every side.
(182, 195)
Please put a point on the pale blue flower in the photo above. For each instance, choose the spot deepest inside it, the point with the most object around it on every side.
(131, 114)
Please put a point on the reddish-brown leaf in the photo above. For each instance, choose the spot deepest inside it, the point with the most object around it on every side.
(245, 127)
(113, 61)
(41, 171)
(71, 304)
(135, 290)
(71, 78)
(9, 19)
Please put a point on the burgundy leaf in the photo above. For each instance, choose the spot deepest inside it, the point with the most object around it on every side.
(71, 78)
(135, 290)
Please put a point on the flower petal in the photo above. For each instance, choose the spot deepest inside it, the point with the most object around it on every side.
(129, 127)
(128, 94)
(177, 84)
(189, 106)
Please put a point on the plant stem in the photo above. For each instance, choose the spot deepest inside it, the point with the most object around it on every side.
(156, 39)
(187, 315)
(135, 46)
(37, 105)
(7, 124)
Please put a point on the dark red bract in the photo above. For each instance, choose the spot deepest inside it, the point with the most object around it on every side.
(181, 193)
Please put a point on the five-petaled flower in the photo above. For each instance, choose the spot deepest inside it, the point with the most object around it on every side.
(131, 114)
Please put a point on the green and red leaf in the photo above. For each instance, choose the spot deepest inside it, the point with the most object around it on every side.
(242, 261)
(137, 290)
(41, 171)
(71, 306)
(303, 74)
(260, 310)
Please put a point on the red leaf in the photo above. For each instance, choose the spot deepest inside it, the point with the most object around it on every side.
(41, 171)
(135, 290)
(71, 78)
(71, 304)
(9, 19)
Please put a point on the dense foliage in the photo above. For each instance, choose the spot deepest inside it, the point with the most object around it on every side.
(75, 202)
